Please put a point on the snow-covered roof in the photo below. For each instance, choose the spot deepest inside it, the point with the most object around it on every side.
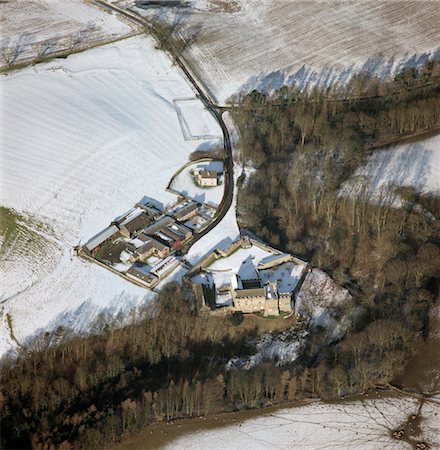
(247, 270)
(164, 266)
(101, 237)
(273, 260)
(185, 210)
(208, 174)
(137, 242)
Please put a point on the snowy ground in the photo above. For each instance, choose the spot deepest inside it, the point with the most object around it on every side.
(196, 121)
(416, 164)
(362, 425)
(275, 348)
(430, 425)
(83, 139)
(222, 236)
(184, 183)
(37, 28)
(244, 262)
(241, 262)
(263, 44)
(322, 302)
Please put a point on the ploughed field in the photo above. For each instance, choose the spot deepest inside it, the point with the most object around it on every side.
(35, 29)
(264, 44)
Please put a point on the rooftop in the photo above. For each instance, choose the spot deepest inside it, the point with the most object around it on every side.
(101, 237)
(208, 174)
(241, 293)
(137, 223)
(184, 210)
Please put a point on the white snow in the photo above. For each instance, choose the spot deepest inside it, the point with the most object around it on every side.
(196, 121)
(416, 165)
(36, 28)
(363, 425)
(71, 295)
(430, 424)
(263, 44)
(222, 236)
(242, 262)
(278, 348)
(185, 184)
(286, 275)
(83, 139)
(318, 300)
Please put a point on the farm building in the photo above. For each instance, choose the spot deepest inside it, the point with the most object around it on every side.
(152, 210)
(132, 225)
(206, 178)
(186, 211)
(158, 225)
(138, 274)
(97, 241)
(182, 230)
(165, 267)
(173, 234)
(151, 247)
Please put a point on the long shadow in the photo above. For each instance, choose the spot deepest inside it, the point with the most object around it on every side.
(377, 65)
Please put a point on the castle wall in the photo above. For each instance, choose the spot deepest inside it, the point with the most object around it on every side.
(249, 304)
(271, 307)
(285, 303)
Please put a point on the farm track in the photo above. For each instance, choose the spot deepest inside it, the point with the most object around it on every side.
(215, 110)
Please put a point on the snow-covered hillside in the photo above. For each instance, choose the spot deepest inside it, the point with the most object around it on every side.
(264, 44)
(34, 29)
(83, 139)
(416, 165)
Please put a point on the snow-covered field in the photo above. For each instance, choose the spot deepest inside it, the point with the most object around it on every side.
(431, 423)
(83, 139)
(196, 121)
(365, 424)
(263, 44)
(37, 28)
(416, 164)
(185, 184)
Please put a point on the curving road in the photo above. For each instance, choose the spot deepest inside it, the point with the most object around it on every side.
(215, 110)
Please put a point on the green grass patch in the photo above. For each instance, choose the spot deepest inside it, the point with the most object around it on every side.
(21, 234)
(11, 328)
(236, 319)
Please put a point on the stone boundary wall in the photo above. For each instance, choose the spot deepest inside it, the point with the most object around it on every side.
(120, 274)
(242, 242)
